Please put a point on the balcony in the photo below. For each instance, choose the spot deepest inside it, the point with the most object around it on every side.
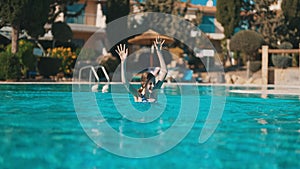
(84, 18)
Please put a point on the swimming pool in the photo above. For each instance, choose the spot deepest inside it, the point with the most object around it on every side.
(39, 128)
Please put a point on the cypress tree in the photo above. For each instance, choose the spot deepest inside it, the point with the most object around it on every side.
(269, 22)
(291, 9)
(291, 12)
(117, 9)
(228, 14)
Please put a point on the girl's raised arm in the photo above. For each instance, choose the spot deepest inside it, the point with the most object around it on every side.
(163, 68)
(122, 51)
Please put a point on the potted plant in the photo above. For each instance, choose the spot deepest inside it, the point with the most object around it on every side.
(48, 66)
(60, 59)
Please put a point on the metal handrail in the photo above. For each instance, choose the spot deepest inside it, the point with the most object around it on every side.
(93, 70)
(104, 71)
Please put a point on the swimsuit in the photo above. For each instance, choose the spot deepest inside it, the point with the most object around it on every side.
(144, 99)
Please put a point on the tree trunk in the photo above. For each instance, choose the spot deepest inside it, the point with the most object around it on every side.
(228, 50)
(14, 38)
(248, 69)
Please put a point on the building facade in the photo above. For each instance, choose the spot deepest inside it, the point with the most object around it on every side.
(92, 19)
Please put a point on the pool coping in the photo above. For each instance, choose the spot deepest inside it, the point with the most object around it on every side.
(166, 83)
(265, 90)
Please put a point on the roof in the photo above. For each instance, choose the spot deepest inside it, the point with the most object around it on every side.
(6, 32)
(85, 28)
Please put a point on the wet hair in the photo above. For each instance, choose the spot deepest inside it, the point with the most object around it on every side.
(145, 78)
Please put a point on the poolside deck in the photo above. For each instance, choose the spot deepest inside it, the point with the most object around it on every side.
(293, 92)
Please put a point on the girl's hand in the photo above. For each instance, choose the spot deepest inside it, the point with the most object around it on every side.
(158, 43)
(122, 51)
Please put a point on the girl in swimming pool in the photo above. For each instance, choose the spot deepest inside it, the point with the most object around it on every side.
(149, 86)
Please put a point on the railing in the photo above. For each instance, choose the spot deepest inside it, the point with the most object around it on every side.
(94, 72)
(85, 19)
(265, 59)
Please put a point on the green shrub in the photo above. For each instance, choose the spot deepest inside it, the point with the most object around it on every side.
(10, 66)
(3, 65)
(61, 31)
(87, 54)
(247, 42)
(255, 66)
(286, 45)
(281, 61)
(109, 62)
(25, 55)
(14, 68)
(289, 62)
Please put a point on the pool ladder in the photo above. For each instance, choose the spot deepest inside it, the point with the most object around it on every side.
(94, 72)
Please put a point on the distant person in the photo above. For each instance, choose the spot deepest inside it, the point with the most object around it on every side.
(210, 3)
(149, 86)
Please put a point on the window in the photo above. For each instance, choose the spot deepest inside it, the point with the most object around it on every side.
(207, 24)
(75, 13)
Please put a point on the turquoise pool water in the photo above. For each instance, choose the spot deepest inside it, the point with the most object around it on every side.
(39, 128)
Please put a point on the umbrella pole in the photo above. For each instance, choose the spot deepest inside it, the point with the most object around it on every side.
(151, 56)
